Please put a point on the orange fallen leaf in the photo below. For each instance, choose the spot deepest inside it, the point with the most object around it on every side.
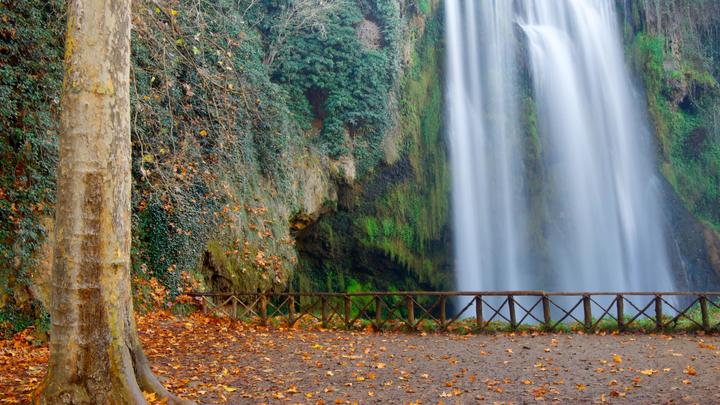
(690, 370)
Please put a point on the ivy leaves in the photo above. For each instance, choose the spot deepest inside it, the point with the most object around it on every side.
(336, 79)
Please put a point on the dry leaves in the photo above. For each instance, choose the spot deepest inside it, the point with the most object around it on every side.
(216, 360)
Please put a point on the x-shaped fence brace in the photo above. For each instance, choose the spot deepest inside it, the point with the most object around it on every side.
(514, 309)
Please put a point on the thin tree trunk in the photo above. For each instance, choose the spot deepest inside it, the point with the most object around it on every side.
(95, 352)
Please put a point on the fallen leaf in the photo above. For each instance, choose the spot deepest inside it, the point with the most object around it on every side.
(690, 370)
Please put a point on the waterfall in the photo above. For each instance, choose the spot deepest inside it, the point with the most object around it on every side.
(600, 222)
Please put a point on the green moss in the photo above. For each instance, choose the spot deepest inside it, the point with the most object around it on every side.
(413, 212)
(687, 129)
(424, 6)
(394, 233)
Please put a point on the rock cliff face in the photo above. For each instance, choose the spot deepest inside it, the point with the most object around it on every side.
(675, 47)
(259, 127)
(390, 228)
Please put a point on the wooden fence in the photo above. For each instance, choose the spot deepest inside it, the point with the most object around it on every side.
(475, 311)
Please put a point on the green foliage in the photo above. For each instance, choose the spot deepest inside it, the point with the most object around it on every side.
(218, 131)
(413, 212)
(424, 6)
(30, 79)
(395, 232)
(212, 134)
(343, 83)
(685, 105)
(14, 320)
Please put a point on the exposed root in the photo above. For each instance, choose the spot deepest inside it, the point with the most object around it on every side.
(147, 381)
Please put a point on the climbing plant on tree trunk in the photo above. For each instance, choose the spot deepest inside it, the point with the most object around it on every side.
(95, 352)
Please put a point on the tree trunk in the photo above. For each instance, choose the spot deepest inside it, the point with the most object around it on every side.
(95, 352)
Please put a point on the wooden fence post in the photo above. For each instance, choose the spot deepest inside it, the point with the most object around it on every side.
(442, 312)
(291, 310)
(704, 313)
(263, 309)
(324, 311)
(234, 307)
(658, 313)
(587, 310)
(410, 312)
(620, 306)
(511, 308)
(479, 321)
(378, 312)
(348, 310)
(546, 312)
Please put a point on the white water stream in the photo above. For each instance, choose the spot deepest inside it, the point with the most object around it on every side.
(600, 222)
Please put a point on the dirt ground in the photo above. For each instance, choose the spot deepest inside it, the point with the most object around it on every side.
(214, 360)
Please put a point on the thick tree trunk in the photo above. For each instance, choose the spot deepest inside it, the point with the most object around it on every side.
(95, 353)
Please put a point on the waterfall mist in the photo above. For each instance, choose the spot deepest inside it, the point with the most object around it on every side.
(599, 224)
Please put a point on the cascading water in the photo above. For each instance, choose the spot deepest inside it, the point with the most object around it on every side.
(601, 216)
(485, 143)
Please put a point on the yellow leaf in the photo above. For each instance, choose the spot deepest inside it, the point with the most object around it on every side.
(648, 372)
(203, 133)
(527, 382)
(229, 389)
(617, 359)
(173, 12)
(581, 387)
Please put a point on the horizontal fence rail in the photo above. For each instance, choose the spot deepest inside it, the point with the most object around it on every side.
(473, 312)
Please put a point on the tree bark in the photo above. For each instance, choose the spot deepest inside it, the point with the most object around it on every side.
(95, 352)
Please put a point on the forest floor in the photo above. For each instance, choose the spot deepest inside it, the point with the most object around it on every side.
(213, 360)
